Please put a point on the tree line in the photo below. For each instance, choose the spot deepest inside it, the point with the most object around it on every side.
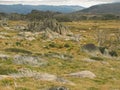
(41, 15)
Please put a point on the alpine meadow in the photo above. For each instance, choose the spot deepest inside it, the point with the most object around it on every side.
(64, 46)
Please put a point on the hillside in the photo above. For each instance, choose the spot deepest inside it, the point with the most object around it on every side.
(23, 9)
(46, 59)
(112, 8)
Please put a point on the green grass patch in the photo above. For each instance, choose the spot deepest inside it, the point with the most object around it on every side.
(97, 58)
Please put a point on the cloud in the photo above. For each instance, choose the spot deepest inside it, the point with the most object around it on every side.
(86, 3)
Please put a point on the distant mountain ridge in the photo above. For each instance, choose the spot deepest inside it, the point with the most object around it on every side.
(24, 9)
(111, 8)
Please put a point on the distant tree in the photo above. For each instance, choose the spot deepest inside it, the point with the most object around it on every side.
(62, 18)
(16, 16)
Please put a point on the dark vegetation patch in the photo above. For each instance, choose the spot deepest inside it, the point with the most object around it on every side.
(18, 50)
(97, 58)
(113, 53)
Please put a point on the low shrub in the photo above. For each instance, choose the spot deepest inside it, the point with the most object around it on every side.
(113, 53)
(66, 45)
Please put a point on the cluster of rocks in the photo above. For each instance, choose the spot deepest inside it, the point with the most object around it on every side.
(52, 29)
(48, 28)
(27, 35)
(24, 72)
(19, 27)
(95, 50)
(4, 35)
(48, 24)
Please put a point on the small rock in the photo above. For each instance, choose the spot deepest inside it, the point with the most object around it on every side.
(59, 88)
(88, 60)
(105, 63)
(30, 38)
(4, 57)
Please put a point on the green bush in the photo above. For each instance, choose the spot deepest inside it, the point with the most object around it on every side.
(18, 44)
(55, 45)
(67, 45)
(52, 45)
(102, 49)
(21, 88)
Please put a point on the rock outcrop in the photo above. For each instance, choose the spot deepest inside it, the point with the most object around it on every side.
(48, 24)
(50, 28)
(95, 50)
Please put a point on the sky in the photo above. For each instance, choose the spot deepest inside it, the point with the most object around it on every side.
(85, 3)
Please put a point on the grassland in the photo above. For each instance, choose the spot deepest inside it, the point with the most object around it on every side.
(106, 69)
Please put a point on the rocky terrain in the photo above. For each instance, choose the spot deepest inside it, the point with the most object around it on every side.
(52, 55)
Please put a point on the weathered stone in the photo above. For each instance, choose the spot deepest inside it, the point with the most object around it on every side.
(40, 76)
(90, 48)
(59, 88)
(4, 57)
(83, 74)
(51, 28)
(88, 60)
(29, 60)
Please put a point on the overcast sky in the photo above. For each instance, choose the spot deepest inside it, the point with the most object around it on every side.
(85, 3)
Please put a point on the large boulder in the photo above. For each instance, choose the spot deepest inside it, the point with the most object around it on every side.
(95, 50)
(90, 48)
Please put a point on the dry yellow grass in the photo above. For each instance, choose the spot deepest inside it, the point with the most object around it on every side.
(108, 75)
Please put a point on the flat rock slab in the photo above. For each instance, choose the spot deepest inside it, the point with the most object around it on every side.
(29, 60)
(4, 77)
(83, 74)
(40, 76)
